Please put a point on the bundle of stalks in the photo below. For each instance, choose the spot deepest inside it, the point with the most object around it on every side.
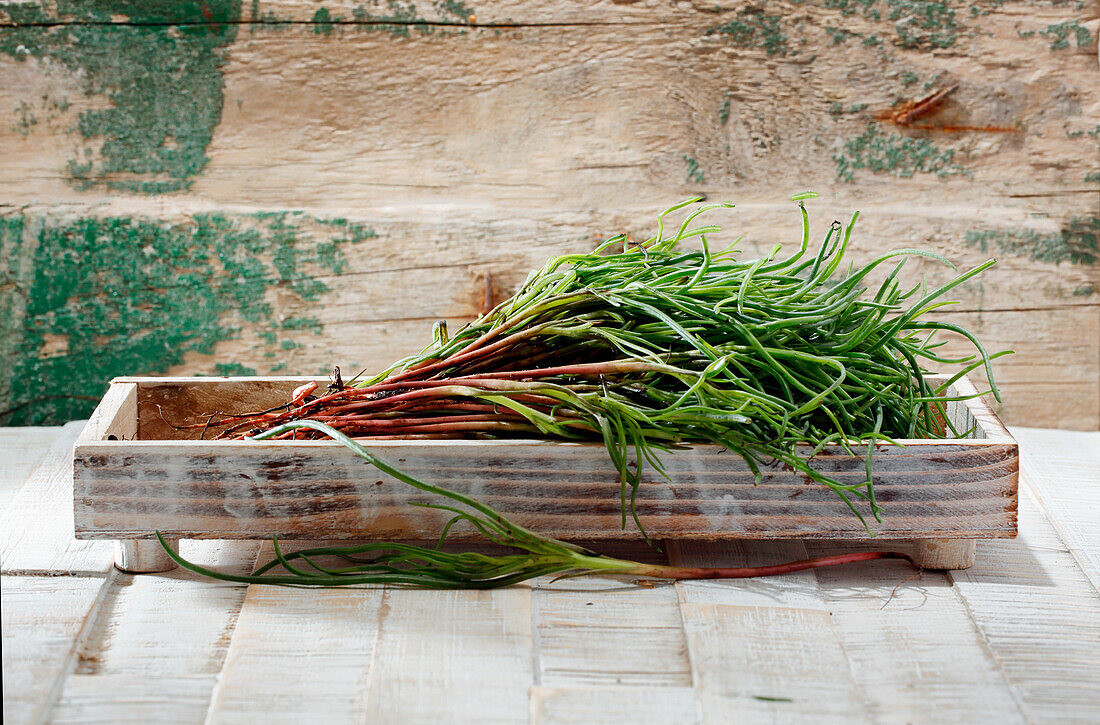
(646, 346)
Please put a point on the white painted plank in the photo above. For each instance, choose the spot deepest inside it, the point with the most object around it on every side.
(614, 705)
(122, 698)
(452, 656)
(604, 631)
(325, 637)
(36, 529)
(1062, 469)
(42, 622)
(769, 664)
(21, 450)
(1039, 616)
(158, 644)
(914, 652)
(756, 657)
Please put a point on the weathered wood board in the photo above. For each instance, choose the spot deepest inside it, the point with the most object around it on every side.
(44, 622)
(147, 479)
(45, 498)
(279, 187)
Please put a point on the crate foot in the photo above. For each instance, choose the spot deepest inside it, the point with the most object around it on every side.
(142, 556)
(945, 553)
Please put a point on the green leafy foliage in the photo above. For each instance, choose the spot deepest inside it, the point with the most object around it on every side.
(646, 346)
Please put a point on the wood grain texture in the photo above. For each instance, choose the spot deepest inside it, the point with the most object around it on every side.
(116, 416)
(249, 489)
(1048, 460)
(788, 659)
(587, 631)
(36, 528)
(328, 638)
(1039, 615)
(944, 553)
(24, 449)
(158, 642)
(321, 490)
(476, 141)
(894, 626)
(613, 705)
(45, 621)
(461, 656)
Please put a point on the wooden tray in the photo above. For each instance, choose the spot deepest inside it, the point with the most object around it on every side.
(135, 473)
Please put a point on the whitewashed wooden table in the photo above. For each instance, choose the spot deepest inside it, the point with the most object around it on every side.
(1014, 639)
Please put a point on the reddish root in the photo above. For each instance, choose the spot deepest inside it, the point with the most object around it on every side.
(749, 572)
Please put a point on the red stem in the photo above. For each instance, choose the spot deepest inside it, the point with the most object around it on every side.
(429, 389)
(611, 367)
(468, 353)
(410, 422)
(748, 572)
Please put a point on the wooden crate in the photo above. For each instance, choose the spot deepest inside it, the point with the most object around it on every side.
(135, 473)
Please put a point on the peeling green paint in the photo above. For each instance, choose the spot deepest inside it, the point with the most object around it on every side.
(900, 155)
(754, 28)
(1093, 178)
(398, 17)
(836, 109)
(83, 300)
(1075, 243)
(323, 20)
(267, 18)
(26, 119)
(303, 323)
(724, 111)
(851, 7)
(932, 81)
(917, 24)
(1095, 133)
(839, 35)
(909, 24)
(233, 369)
(923, 23)
(161, 73)
(1059, 33)
(985, 7)
(453, 8)
(694, 173)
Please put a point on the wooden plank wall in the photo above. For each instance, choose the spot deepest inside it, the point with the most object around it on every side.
(278, 187)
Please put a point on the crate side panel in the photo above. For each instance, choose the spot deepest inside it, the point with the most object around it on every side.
(310, 491)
